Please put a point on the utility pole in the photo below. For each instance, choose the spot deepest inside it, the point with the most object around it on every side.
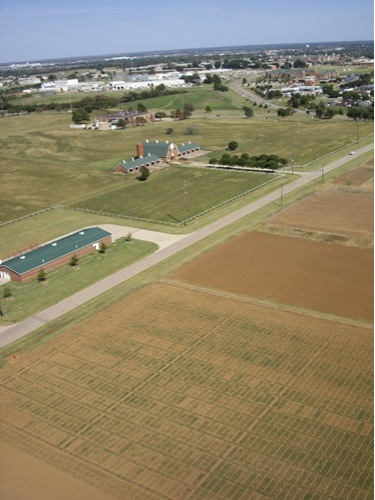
(184, 187)
(357, 131)
(292, 156)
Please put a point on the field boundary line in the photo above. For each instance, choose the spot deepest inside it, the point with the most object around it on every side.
(30, 215)
(272, 305)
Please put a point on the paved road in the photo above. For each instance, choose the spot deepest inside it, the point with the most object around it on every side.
(17, 331)
(249, 94)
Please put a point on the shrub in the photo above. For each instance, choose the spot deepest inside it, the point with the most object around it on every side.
(74, 261)
(42, 276)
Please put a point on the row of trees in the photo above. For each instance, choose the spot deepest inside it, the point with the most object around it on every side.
(90, 103)
(244, 160)
(325, 111)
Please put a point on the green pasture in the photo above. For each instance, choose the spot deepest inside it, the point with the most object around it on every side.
(45, 163)
(199, 97)
(29, 298)
(175, 194)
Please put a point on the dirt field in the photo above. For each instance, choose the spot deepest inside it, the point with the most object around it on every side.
(343, 212)
(361, 176)
(320, 276)
(177, 394)
(345, 215)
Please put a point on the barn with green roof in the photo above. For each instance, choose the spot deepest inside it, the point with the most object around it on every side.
(26, 266)
(153, 152)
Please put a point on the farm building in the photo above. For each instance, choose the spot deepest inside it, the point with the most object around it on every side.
(151, 153)
(166, 150)
(130, 118)
(26, 266)
(133, 165)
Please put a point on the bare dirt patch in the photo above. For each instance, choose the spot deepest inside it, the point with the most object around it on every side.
(344, 215)
(357, 177)
(176, 394)
(39, 480)
(328, 278)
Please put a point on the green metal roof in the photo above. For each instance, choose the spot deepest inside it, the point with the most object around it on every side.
(187, 147)
(138, 162)
(159, 149)
(54, 250)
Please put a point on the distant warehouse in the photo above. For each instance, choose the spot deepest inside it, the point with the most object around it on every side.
(26, 266)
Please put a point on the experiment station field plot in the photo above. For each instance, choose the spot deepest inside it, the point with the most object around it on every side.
(320, 276)
(174, 393)
(176, 193)
(343, 212)
(344, 215)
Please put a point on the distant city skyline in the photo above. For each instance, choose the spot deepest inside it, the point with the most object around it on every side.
(45, 29)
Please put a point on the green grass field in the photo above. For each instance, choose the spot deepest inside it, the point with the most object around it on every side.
(175, 194)
(44, 162)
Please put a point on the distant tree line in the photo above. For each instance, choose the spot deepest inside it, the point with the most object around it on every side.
(216, 81)
(90, 103)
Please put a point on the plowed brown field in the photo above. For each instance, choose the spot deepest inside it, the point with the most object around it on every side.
(348, 212)
(321, 276)
(360, 176)
(178, 394)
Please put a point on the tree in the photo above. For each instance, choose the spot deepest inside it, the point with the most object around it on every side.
(80, 116)
(74, 261)
(248, 111)
(42, 276)
(187, 110)
(145, 173)
(120, 123)
(169, 130)
(7, 293)
(232, 145)
(208, 109)
(299, 64)
(102, 247)
(192, 129)
(141, 108)
(285, 112)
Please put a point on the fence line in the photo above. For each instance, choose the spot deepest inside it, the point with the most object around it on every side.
(142, 219)
(176, 224)
(335, 151)
(30, 215)
(231, 199)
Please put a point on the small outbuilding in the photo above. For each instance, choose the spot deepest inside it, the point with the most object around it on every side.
(26, 266)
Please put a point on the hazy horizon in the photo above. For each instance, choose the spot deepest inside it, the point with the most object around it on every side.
(44, 29)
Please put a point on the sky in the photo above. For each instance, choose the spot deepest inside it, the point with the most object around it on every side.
(50, 29)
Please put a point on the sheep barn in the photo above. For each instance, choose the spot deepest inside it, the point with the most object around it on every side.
(150, 153)
(26, 266)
